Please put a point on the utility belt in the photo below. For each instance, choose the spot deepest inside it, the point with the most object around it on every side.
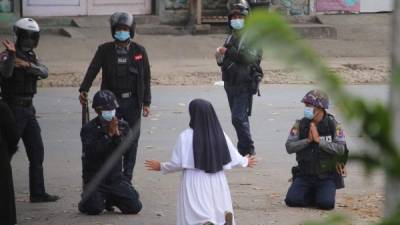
(124, 95)
(19, 101)
(319, 168)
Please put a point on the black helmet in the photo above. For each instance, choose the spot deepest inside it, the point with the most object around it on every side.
(122, 18)
(26, 32)
(241, 7)
(104, 100)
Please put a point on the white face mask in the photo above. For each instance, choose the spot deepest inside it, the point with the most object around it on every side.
(108, 115)
(309, 112)
(237, 24)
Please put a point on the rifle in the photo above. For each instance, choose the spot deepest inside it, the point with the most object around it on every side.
(85, 113)
(85, 120)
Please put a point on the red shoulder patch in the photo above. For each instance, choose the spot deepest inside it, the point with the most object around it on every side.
(138, 57)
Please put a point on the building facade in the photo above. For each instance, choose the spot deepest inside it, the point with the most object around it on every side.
(84, 7)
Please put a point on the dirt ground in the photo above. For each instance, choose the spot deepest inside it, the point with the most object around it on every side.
(189, 60)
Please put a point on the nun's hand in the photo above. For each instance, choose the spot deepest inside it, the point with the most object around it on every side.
(153, 165)
(251, 161)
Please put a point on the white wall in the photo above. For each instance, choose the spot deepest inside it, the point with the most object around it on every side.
(376, 5)
(54, 7)
(84, 7)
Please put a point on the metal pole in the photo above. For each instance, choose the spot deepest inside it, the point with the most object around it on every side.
(392, 198)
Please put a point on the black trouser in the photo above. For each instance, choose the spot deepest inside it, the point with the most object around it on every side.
(7, 202)
(239, 103)
(308, 191)
(122, 195)
(29, 130)
(130, 110)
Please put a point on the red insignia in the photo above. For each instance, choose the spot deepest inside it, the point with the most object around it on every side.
(138, 57)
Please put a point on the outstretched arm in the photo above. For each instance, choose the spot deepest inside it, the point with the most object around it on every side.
(173, 165)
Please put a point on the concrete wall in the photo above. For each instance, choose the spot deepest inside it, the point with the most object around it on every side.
(292, 7)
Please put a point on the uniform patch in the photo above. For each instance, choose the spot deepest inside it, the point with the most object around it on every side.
(122, 60)
(340, 135)
(294, 132)
(3, 57)
(138, 57)
(326, 138)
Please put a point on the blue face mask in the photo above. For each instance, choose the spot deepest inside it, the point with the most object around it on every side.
(309, 113)
(122, 35)
(108, 115)
(237, 24)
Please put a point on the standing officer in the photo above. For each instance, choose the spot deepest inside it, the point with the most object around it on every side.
(100, 138)
(21, 70)
(241, 73)
(319, 143)
(8, 146)
(126, 72)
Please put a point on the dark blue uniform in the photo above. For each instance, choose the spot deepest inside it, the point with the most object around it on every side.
(114, 190)
(18, 89)
(315, 180)
(238, 67)
(125, 72)
(8, 146)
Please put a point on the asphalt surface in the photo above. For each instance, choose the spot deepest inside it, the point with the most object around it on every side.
(257, 193)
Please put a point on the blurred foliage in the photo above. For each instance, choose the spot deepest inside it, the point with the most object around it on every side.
(270, 31)
(331, 220)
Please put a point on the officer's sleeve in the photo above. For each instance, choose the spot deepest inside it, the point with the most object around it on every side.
(293, 143)
(7, 64)
(39, 70)
(147, 79)
(338, 144)
(92, 71)
(93, 145)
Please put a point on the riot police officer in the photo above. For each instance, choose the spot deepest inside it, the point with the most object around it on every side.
(21, 70)
(126, 72)
(8, 146)
(100, 138)
(241, 73)
(319, 143)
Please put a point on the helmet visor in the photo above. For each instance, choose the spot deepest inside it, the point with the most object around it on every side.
(27, 39)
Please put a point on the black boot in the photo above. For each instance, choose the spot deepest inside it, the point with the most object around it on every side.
(44, 198)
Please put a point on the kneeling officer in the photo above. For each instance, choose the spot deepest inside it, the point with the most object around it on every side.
(100, 138)
(319, 143)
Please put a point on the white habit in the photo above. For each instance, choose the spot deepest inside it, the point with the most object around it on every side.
(203, 197)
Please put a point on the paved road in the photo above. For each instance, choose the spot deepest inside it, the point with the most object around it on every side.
(257, 194)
